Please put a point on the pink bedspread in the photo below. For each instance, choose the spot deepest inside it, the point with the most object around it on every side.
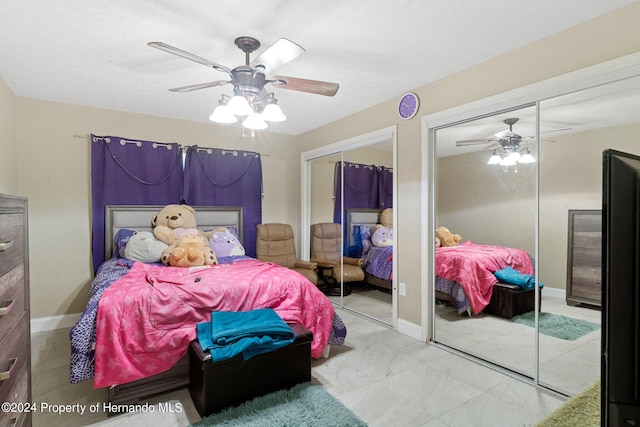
(147, 319)
(472, 266)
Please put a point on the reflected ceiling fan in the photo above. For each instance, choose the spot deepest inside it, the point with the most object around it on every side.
(505, 139)
(505, 145)
(249, 80)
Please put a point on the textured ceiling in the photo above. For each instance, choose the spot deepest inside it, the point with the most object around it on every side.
(95, 53)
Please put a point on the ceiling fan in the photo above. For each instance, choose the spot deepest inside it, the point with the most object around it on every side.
(505, 145)
(506, 139)
(249, 79)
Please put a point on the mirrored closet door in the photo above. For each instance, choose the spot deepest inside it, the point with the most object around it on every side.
(575, 129)
(550, 209)
(487, 197)
(348, 189)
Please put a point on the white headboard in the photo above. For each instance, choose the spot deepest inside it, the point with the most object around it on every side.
(139, 217)
(361, 216)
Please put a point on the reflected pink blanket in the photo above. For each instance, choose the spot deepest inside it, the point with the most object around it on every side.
(147, 319)
(472, 266)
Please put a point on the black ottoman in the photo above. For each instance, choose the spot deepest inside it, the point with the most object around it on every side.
(216, 386)
(509, 300)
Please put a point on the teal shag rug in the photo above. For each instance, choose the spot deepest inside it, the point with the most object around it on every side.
(556, 325)
(303, 405)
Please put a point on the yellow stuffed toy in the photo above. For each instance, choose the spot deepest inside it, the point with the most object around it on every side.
(446, 238)
(189, 251)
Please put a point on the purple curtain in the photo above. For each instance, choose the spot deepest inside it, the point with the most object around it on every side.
(226, 178)
(365, 186)
(385, 187)
(130, 172)
(360, 187)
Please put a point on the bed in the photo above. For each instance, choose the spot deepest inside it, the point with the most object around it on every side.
(465, 273)
(377, 262)
(134, 333)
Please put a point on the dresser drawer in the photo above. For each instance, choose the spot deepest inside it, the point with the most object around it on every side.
(19, 416)
(12, 299)
(11, 241)
(14, 359)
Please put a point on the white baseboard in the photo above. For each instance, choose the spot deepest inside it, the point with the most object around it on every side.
(554, 292)
(410, 329)
(51, 323)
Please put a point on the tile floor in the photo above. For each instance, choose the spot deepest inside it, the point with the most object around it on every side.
(385, 377)
(513, 345)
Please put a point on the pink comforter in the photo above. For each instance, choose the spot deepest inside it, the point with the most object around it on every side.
(472, 266)
(146, 319)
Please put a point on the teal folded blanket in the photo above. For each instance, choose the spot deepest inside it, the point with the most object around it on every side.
(246, 332)
(510, 275)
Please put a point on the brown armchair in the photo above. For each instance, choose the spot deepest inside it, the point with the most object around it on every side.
(274, 243)
(326, 244)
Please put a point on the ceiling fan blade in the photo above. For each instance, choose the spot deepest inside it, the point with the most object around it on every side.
(304, 85)
(199, 86)
(190, 56)
(465, 142)
(278, 54)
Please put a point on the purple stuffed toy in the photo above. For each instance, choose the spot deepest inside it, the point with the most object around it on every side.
(225, 243)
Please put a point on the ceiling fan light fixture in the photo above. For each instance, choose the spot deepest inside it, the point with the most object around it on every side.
(222, 114)
(239, 106)
(495, 159)
(527, 157)
(514, 156)
(507, 162)
(254, 121)
(273, 113)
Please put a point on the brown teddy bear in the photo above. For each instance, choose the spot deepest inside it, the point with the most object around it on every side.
(189, 251)
(173, 222)
(446, 238)
(386, 218)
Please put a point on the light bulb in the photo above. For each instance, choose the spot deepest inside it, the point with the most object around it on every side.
(222, 114)
(240, 106)
(495, 159)
(273, 113)
(254, 121)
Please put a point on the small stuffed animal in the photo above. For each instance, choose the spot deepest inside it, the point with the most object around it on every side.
(382, 237)
(189, 251)
(144, 247)
(446, 237)
(225, 243)
(173, 222)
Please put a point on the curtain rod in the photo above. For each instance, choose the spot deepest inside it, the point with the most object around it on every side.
(160, 144)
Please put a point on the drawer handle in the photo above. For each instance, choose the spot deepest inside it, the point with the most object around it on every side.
(5, 245)
(7, 374)
(6, 307)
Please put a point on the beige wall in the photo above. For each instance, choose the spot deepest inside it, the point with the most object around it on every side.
(8, 159)
(573, 185)
(53, 166)
(605, 38)
(53, 172)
